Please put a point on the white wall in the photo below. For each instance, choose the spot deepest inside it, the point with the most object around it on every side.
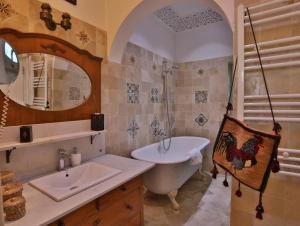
(206, 42)
(152, 35)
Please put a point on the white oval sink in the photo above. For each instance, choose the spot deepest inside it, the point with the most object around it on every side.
(62, 185)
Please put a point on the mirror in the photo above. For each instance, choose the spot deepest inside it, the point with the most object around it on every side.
(9, 63)
(49, 83)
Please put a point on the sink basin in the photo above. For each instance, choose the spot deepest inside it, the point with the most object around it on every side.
(62, 185)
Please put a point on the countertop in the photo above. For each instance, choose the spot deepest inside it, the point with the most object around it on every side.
(42, 210)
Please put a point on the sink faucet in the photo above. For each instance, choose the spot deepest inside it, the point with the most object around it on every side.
(62, 153)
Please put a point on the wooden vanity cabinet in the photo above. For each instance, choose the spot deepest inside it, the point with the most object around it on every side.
(121, 207)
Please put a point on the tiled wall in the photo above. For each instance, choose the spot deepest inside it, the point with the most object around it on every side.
(23, 15)
(281, 198)
(201, 96)
(132, 100)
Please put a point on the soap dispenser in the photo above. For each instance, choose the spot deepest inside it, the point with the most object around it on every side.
(75, 157)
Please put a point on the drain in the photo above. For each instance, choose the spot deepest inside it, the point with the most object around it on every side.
(72, 188)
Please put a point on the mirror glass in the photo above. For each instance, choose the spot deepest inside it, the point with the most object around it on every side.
(9, 63)
(49, 83)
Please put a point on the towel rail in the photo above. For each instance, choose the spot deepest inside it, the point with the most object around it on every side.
(269, 111)
(274, 42)
(266, 119)
(272, 11)
(292, 159)
(288, 150)
(274, 50)
(265, 4)
(274, 65)
(289, 166)
(273, 96)
(274, 18)
(275, 104)
(286, 173)
(269, 58)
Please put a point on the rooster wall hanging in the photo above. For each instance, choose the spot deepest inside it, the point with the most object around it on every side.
(247, 154)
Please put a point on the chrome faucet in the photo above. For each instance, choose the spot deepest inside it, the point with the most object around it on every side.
(62, 154)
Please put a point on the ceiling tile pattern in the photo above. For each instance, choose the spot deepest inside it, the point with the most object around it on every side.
(182, 23)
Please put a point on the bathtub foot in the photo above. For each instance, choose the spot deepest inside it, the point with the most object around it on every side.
(172, 196)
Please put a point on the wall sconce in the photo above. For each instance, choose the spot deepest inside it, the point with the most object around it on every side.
(46, 16)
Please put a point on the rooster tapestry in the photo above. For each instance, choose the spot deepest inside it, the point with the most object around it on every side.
(245, 153)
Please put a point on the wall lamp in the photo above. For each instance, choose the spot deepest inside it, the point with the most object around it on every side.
(46, 16)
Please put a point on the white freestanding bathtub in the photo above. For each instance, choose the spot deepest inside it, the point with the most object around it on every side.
(173, 167)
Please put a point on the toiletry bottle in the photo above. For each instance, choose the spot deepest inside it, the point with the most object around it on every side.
(75, 157)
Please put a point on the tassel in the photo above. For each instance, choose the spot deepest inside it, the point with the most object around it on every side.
(275, 165)
(277, 128)
(238, 193)
(260, 209)
(229, 107)
(225, 182)
(214, 172)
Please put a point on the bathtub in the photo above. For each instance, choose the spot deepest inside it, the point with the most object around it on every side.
(173, 167)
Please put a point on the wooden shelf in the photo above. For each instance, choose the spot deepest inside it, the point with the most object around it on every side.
(9, 146)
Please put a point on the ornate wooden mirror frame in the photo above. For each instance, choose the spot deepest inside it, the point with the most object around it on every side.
(41, 43)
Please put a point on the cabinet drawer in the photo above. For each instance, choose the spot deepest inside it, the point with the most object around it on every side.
(121, 191)
(121, 212)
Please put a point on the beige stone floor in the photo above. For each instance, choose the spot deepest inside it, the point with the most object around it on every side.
(158, 210)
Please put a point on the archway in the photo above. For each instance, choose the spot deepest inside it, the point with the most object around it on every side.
(117, 44)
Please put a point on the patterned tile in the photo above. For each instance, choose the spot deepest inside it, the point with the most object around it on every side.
(83, 37)
(6, 10)
(178, 23)
(155, 95)
(74, 93)
(155, 126)
(133, 128)
(201, 120)
(201, 96)
(133, 93)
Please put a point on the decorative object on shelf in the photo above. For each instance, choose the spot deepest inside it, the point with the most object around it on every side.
(97, 122)
(74, 2)
(201, 120)
(14, 208)
(11, 190)
(83, 37)
(6, 10)
(6, 177)
(46, 16)
(26, 135)
(75, 157)
(133, 128)
(133, 93)
(201, 96)
(247, 154)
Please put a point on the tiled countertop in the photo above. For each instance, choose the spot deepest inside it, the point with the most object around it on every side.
(42, 210)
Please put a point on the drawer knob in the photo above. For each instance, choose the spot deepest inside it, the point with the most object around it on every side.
(60, 223)
(129, 206)
(123, 188)
(97, 222)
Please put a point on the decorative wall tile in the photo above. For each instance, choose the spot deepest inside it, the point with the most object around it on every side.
(133, 128)
(155, 95)
(6, 10)
(74, 93)
(201, 96)
(133, 93)
(201, 120)
(155, 126)
(83, 37)
(178, 23)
